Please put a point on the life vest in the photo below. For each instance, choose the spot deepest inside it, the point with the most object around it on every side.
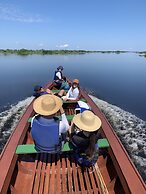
(46, 137)
(55, 76)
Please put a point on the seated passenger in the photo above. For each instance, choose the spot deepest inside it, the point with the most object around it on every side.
(84, 138)
(73, 92)
(65, 84)
(39, 90)
(47, 131)
(58, 77)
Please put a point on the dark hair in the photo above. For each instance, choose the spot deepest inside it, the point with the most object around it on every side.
(37, 88)
(60, 67)
(91, 147)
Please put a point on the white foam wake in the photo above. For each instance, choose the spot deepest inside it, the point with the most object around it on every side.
(10, 117)
(130, 129)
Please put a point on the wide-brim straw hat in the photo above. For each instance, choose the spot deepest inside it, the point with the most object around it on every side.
(87, 121)
(47, 104)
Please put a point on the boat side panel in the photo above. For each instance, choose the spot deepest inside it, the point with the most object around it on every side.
(124, 166)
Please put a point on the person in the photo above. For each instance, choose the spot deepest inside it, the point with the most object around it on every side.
(85, 132)
(39, 90)
(58, 77)
(47, 131)
(73, 92)
(65, 85)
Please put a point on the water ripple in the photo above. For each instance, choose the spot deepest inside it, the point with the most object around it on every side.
(131, 131)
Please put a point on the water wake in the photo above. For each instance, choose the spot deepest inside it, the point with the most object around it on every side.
(130, 129)
(9, 119)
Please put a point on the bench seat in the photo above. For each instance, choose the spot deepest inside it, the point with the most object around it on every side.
(30, 148)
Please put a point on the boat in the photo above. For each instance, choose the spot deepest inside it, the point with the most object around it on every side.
(113, 173)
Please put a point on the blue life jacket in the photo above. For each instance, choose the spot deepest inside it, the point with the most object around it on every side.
(46, 137)
(55, 77)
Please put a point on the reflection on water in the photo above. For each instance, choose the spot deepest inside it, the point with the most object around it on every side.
(118, 79)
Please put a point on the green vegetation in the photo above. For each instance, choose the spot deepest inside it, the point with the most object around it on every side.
(143, 53)
(42, 52)
(24, 52)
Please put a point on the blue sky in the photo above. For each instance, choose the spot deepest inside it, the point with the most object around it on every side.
(76, 24)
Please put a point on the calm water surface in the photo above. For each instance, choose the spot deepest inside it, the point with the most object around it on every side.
(118, 79)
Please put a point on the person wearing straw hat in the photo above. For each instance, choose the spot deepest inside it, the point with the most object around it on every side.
(73, 92)
(85, 128)
(46, 129)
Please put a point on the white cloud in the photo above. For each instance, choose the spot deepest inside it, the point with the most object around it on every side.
(62, 46)
(10, 13)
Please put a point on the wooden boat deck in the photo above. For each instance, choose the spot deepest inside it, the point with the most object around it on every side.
(59, 173)
(40, 173)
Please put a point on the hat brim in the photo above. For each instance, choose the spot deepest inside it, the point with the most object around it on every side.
(94, 127)
(38, 108)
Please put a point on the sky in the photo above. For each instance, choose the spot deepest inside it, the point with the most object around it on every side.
(73, 24)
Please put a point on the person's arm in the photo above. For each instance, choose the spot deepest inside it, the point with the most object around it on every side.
(49, 91)
(67, 95)
(63, 116)
(76, 95)
(62, 110)
(71, 129)
(64, 126)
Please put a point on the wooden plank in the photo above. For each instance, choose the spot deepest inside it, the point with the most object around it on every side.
(80, 173)
(69, 175)
(74, 172)
(89, 189)
(100, 180)
(38, 175)
(58, 181)
(42, 178)
(64, 181)
(47, 177)
(52, 176)
(95, 188)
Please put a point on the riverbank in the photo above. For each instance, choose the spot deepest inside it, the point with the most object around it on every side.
(51, 52)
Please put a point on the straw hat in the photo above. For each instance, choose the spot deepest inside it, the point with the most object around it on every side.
(87, 121)
(47, 104)
(76, 81)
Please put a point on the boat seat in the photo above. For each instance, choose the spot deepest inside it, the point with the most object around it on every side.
(69, 118)
(74, 101)
(30, 148)
(56, 91)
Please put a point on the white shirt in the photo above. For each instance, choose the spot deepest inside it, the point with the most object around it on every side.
(72, 94)
(63, 124)
(58, 74)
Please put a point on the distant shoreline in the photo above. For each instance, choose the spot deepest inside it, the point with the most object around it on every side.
(61, 52)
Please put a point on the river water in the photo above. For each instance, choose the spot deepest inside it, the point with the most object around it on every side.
(117, 82)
